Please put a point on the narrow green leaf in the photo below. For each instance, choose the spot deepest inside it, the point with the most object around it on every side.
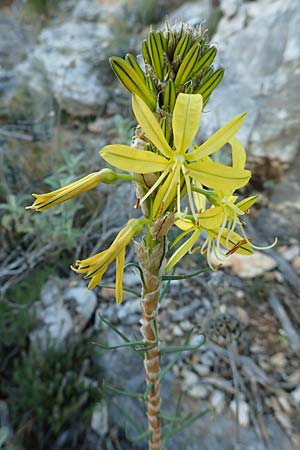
(184, 277)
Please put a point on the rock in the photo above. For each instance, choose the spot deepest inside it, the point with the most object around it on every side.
(191, 13)
(291, 253)
(278, 360)
(230, 7)
(62, 310)
(296, 395)
(250, 266)
(244, 412)
(54, 325)
(190, 379)
(261, 61)
(129, 308)
(67, 56)
(81, 303)
(177, 331)
(186, 311)
(202, 370)
(198, 392)
(99, 421)
(217, 400)
(94, 11)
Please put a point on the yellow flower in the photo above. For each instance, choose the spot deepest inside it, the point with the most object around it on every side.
(224, 202)
(175, 163)
(213, 246)
(95, 266)
(46, 201)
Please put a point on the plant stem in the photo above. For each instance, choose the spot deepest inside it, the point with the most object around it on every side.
(150, 261)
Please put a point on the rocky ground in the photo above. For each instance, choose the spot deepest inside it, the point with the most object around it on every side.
(56, 90)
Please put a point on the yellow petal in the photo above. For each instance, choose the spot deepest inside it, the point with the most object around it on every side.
(245, 204)
(238, 154)
(166, 192)
(218, 139)
(233, 241)
(183, 249)
(132, 160)
(46, 201)
(186, 120)
(211, 218)
(96, 279)
(184, 224)
(199, 199)
(120, 261)
(150, 126)
(181, 236)
(218, 176)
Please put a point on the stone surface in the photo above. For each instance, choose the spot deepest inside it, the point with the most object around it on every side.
(244, 412)
(99, 421)
(217, 400)
(192, 13)
(66, 56)
(262, 77)
(60, 312)
(250, 266)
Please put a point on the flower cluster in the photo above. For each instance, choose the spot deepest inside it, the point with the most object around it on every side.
(168, 97)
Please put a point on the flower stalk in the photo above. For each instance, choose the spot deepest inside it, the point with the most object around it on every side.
(150, 262)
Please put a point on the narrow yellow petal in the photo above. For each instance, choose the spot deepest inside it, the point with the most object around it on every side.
(184, 224)
(150, 126)
(232, 242)
(186, 120)
(199, 199)
(181, 236)
(166, 192)
(238, 154)
(218, 176)
(245, 204)
(46, 201)
(211, 218)
(182, 250)
(120, 261)
(132, 160)
(218, 139)
(96, 279)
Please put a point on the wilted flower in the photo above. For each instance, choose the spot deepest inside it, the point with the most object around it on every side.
(95, 266)
(46, 201)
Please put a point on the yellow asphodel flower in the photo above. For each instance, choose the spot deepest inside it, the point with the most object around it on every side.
(210, 222)
(224, 200)
(175, 163)
(95, 266)
(46, 201)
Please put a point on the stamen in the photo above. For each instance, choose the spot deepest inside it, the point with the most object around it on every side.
(155, 185)
(137, 203)
(257, 247)
(189, 191)
(236, 247)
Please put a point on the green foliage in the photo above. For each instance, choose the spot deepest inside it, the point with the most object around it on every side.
(124, 128)
(51, 391)
(145, 12)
